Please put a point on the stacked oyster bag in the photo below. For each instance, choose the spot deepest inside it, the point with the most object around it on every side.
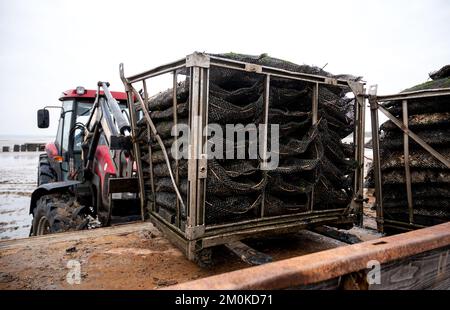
(313, 161)
(429, 118)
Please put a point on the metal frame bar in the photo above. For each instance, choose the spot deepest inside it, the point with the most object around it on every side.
(358, 140)
(361, 121)
(407, 134)
(203, 166)
(361, 101)
(406, 153)
(197, 165)
(136, 149)
(265, 135)
(401, 225)
(150, 151)
(175, 123)
(276, 72)
(191, 212)
(179, 64)
(355, 141)
(258, 222)
(425, 93)
(197, 66)
(315, 111)
(376, 158)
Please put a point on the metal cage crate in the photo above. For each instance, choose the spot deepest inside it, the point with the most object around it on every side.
(417, 154)
(188, 228)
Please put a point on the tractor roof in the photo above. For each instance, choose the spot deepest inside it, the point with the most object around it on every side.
(90, 93)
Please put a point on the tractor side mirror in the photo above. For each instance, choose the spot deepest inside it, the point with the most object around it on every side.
(43, 118)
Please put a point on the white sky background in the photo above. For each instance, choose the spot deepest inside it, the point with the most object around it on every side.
(49, 46)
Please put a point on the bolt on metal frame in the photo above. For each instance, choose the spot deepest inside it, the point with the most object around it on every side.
(375, 106)
(195, 235)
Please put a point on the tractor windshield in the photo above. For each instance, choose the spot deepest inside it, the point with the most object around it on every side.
(82, 117)
(83, 114)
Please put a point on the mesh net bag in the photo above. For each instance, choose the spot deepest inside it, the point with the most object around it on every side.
(429, 176)
(420, 106)
(231, 208)
(434, 137)
(420, 158)
(398, 193)
(420, 121)
(280, 205)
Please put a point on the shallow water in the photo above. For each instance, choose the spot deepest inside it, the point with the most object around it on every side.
(18, 173)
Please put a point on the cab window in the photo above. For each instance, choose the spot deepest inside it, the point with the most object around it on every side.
(83, 114)
(65, 122)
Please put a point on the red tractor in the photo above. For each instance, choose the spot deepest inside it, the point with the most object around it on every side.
(87, 174)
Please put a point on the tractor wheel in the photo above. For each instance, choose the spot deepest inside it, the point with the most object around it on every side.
(58, 213)
(46, 174)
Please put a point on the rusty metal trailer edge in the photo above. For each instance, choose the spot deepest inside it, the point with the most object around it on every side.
(326, 265)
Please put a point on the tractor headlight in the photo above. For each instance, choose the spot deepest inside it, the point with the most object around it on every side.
(80, 90)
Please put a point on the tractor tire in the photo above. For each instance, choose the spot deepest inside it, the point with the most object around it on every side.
(46, 174)
(57, 213)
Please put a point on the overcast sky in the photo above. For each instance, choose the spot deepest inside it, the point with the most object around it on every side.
(49, 46)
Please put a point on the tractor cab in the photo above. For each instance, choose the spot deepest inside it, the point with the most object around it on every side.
(64, 154)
